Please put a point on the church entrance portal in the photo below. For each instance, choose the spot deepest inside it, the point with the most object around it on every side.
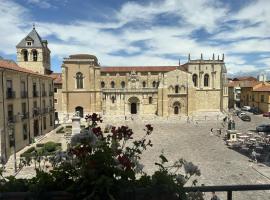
(134, 103)
(133, 108)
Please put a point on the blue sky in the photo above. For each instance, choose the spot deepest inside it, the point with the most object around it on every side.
(144, 32)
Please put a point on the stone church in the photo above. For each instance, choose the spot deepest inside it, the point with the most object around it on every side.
(194, 87)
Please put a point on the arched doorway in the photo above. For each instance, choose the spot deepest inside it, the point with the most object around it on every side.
(80, 110)
(176, 108)
(134, 105)
(133, 108)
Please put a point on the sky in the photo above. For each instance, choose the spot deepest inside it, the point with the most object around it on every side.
(144, 32)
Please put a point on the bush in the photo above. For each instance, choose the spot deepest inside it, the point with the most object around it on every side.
(50, 146)
(28, 152)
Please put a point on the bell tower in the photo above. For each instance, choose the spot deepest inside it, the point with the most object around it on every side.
(33, 53)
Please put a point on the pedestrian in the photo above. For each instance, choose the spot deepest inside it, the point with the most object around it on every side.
(214, 196)
(125, 117)
(253, 155)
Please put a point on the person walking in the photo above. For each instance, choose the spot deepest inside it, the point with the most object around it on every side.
(253, 155)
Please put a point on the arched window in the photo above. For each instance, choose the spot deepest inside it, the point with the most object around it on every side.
(195, 80)
(176, 89)
(144, 84)
(25, 55)
(123, 84)
(79, 80)
(150, 100)
(35, 55)
(154, 84)
(102, 84)
(112, 84)
(206, 80)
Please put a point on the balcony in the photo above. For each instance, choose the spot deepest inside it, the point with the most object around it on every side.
(44, 110)
(24, 115)
(12, 119)
(35, 112)
(11, 94)
(24, 94)
(51, 93)
(44, 94)
(35, 93)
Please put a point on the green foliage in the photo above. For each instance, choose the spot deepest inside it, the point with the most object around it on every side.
(50, 146)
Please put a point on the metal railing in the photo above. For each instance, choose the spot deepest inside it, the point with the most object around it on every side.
(25, 115)
(132, 90)
(35, 93)
(24, 94)
(35, 112)
(11, 94)
(66, 196)
(12, 119)
(229, 189)
(44, 93)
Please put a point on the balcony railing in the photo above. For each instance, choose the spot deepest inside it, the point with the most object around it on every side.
(44, 110)
(228, 189)
(134, 195)
(24, 94)
(35, 112)
(129, 90)
(12, 119)
(35, 93)
(51, 93)
(44, 94)
(25, 116)
(11, 94)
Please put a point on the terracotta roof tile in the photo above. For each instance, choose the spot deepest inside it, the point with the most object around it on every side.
(245, 78)
(57, 78)
(11, 65)
(263, 88)
(247, 84)
(141, 68)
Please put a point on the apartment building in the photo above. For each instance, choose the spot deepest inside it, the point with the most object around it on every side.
(26, 96)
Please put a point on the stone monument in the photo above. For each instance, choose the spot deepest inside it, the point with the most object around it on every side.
(76, 124)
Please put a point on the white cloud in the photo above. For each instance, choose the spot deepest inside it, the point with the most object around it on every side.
(160, 39)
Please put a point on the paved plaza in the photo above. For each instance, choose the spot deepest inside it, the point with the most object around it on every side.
(194, 142)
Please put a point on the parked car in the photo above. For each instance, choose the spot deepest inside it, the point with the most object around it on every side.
(267, 114)
(263, 128)
(246, 108)
(240, 114)
(245, 118)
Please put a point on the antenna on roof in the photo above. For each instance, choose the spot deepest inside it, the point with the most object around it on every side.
(179, 62)
(34, 27)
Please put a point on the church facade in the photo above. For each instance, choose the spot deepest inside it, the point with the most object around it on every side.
(196, 86)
